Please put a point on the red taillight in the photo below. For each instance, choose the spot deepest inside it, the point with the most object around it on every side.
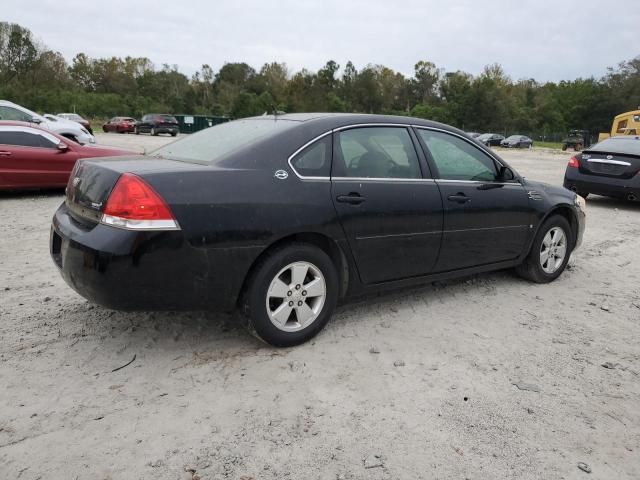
(134, 205)
(574, 162)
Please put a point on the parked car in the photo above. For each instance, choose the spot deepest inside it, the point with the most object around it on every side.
(32, 157)
(517, 141)
(120, 125)
(283, 216)
(491, 139)
(155, 124)
(473, 134)
(74, 117)
(71, 130)
(610, 168)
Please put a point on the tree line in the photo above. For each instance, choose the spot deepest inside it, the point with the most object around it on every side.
(35, 76)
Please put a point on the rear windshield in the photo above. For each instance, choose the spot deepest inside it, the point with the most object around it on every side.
(168, 118)
(214, 143)
(630, 145)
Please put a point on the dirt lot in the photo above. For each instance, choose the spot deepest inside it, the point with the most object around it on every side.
(487, 377)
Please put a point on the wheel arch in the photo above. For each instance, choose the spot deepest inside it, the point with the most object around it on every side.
(323, 242)
(569, 214)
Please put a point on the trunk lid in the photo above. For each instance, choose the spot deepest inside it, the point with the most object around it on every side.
(92, 180)
(615, 165)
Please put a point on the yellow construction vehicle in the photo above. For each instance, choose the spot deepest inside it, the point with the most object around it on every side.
(627, 123)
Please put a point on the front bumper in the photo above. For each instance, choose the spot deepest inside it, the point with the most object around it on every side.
(128, 270)
(601, 185)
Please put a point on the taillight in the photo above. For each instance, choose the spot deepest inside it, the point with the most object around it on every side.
(574, 162)
(134, 205)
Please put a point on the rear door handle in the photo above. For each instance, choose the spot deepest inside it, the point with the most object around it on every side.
(353, 198)
(458, 197)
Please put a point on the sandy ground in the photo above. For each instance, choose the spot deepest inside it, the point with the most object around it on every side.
(415, 384)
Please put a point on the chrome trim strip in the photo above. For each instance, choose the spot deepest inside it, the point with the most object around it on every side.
(127, 224)
(360, 125)
(611, 162)
(302, 177)
(383, 179)
(477, 182)
(396, 235)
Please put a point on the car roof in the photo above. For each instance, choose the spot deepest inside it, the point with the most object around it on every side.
(337, 120)
(13, 123)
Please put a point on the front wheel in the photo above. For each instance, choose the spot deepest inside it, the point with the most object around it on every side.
(550, 251)
(136, 131)
(291, 295)
(153, 132)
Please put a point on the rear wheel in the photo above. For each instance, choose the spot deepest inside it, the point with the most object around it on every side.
(577, 147)
(136, 131)
(550, 251)
(153, 131)
(291, 295)
(173, 134)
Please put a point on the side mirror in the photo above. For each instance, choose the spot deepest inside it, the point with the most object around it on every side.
(62, 147)
(506, 174)
(36, 120)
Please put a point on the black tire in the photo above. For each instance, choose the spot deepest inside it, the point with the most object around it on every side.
(173, 134)
(254, 298)
(153, 132)
(136, 131)
(531, 269)
(564, 147)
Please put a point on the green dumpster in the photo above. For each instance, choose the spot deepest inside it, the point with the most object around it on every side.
(195, 123)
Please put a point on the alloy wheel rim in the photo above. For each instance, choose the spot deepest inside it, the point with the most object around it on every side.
(553, 250)
(295, 296)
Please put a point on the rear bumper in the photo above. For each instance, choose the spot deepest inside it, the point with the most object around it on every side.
(127, 270)
(600, 185)
(164, 129)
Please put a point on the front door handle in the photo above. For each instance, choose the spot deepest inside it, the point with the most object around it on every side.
(458, 197)
(4, 153)
(353, 198)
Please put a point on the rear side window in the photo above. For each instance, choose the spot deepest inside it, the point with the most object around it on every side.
(376, 152)
(24, 139)
(315, 160)
(457, 159)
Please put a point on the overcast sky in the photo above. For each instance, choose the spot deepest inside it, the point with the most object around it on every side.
(543, 39)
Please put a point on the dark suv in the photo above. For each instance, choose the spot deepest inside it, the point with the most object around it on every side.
(156, 123)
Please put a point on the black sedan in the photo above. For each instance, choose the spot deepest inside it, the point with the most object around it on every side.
(610, 168)
(283, 216)
(491, 139)
(517, 141)
(156, 124)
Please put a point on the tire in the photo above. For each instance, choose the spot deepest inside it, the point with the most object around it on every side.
(105, 130)
(173, 134)
(153, 132)
(136, 131)
(564, 148)
(264, 299)
(577, 147)
(532, 268)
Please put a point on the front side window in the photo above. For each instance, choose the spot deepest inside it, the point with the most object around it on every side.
(315, 160)
(376, 152)
(8, 113)
(457, 159)
(25, 139)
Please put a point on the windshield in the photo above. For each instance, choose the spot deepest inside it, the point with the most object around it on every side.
(513, 138)
(214, 143)
(629, 145)
(485, 136)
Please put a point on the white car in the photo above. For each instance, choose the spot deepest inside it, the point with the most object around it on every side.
(61, 126)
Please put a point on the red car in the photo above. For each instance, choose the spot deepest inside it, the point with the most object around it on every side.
(31, 157)
(120, 125)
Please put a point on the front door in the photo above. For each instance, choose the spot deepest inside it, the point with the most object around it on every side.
(486, 218)
(391, 213)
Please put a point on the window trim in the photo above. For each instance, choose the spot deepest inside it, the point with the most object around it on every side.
(309, 143)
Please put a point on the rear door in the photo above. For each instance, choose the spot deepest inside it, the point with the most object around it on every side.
(486, 219)
(389, 208)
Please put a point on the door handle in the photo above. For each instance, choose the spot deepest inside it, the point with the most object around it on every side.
(458, 197)
(4, 153)
(353, 198)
